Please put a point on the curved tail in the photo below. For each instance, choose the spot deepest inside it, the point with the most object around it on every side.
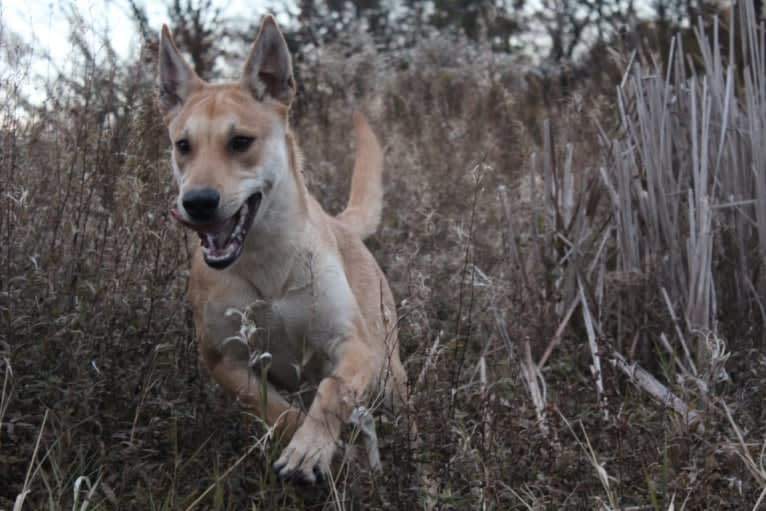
(362, 214)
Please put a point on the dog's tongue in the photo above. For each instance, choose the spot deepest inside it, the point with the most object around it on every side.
(212, 235)
(219, 234)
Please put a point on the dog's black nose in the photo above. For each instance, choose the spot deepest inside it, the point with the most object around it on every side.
(201, 204)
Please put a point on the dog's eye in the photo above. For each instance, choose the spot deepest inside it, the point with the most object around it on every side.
(183, 146)
(240, 144)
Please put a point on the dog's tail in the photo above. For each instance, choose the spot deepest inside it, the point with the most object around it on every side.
(362, 214)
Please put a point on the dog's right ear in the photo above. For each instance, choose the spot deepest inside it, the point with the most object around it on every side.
(177, 79)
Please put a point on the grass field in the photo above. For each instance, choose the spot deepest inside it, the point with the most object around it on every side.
(580, 282)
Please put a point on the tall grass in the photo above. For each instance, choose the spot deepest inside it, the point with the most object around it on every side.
(581, 306)
(687, 184)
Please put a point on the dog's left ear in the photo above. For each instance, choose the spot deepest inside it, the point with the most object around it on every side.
(268, 72)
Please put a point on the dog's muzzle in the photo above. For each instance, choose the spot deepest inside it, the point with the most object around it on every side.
(222, 241)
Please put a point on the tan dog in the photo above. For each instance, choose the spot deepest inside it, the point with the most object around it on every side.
(322, 306)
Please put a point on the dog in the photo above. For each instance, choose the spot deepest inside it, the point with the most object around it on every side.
(324, 314)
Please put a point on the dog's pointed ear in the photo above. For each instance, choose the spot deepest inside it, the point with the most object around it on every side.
(268, 72)
(177, 80)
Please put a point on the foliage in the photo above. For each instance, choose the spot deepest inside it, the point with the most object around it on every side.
(554, 259)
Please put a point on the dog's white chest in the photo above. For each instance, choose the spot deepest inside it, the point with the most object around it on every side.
(286, 329)
(291, 338)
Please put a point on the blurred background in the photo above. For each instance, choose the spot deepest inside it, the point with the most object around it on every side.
(574, 230)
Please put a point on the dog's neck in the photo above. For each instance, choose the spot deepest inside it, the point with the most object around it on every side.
(273, 246)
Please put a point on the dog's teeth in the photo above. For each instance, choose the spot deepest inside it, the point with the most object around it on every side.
(226, 244)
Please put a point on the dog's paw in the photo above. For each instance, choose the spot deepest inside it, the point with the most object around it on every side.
(306, 459)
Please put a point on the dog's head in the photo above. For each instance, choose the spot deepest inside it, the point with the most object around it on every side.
(229, 148)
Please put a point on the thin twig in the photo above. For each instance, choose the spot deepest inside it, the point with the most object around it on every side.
(648, 383)
(21, 497)
(223, 476)
(594, 350)
(559, 332)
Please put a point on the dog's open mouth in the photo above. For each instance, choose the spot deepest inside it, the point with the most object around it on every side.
(222, 241)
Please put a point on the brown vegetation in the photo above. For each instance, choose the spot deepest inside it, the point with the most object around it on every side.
(626, 232)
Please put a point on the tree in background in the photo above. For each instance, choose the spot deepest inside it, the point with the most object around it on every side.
(198, 29)
(568, 36)
(318, 22)
(491, 21)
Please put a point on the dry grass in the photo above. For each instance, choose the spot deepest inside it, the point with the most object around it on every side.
(549, 275)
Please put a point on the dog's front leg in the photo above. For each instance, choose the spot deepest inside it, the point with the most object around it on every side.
(236, 377)
(308, 455)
